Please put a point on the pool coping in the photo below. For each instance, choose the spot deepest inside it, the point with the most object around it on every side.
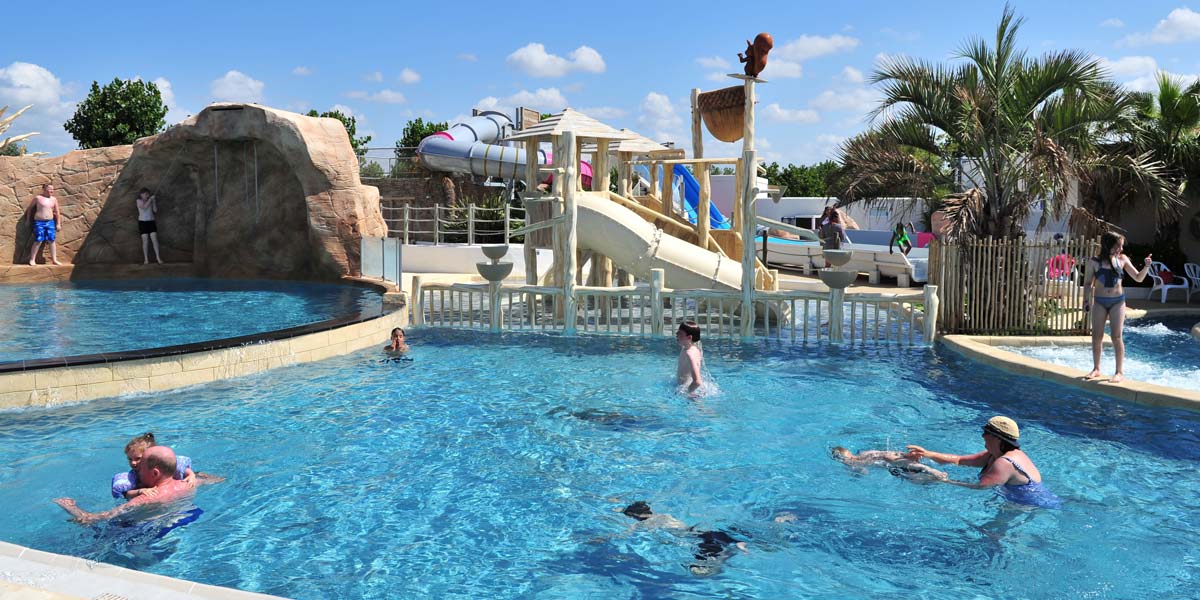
(56, 381)
(30, 573)
(982, 348)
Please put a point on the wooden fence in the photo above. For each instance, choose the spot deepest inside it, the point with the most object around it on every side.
(1011, 287)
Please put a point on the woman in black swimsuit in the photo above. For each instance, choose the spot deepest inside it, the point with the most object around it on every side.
(1102, 282)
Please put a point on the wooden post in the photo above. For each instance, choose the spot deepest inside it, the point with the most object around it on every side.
(668, 190)
(531, 182)
(749, 192)
(417, 312)
(657, 276)
(697, 132)
(570, 174)
(703, 224)
(406, 224)
(932, 303)
(654, 180)
(437, 224)
(837, 298)
(736, 218)
(601, 265)
(471, 224)
(624, 173)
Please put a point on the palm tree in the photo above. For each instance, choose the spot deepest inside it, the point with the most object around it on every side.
(1019, 131)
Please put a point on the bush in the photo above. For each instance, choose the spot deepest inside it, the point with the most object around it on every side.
(118, 113)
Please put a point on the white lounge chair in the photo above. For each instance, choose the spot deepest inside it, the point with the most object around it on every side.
(1192, 270)
(1180, 283)
(903, 268)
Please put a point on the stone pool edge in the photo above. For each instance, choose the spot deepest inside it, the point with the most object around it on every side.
(27, 572)
(983, 349)
(47, 387)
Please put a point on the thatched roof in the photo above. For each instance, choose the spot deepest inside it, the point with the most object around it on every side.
(570, 119)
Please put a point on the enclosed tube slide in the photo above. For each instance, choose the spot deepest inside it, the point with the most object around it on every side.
(469, 147)
(638, 246)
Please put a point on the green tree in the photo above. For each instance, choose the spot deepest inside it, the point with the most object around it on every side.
(417, 130)
(12, 150)
(118, 113)
(372, 170)
(351, 124)
(1028, 128)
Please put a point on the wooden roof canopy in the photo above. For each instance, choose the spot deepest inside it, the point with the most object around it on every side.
(585, 128)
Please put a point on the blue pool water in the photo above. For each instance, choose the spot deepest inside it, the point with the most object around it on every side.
(1157, 350)
(496, 467)
(90, 317)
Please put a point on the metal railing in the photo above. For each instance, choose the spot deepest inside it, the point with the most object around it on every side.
(453, 225)
(652, 310)
(393, 163)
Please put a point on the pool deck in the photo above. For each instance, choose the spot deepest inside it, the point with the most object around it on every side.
(28, 574)
(982, 348)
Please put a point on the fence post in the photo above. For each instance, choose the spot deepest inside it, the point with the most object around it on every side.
(417, 313)
(931, 312)
(656, 304)
(471, 224)
(437, 224)
(406, 224)
(836, 314)
(507, 218)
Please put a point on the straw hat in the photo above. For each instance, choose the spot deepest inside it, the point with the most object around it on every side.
(1005, 429)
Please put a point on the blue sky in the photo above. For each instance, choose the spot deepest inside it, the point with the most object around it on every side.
(629, 64)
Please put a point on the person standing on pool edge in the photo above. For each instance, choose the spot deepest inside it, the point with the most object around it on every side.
(147, 205)
(46, 223)
(687, 370)
(1102, 282)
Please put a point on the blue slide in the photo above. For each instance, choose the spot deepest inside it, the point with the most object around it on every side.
(691, 197)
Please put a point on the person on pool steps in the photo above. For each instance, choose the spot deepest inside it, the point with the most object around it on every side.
(1102, 283)
(147, 206)
(46, 220)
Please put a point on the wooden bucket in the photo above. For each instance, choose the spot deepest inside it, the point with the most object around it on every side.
(723, 112)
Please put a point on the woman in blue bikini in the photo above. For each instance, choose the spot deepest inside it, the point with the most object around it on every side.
(1002, 464)
(1102, 281)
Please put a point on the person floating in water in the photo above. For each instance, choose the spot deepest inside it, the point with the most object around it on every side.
(713, 549)
(1003, 465)
(897, 463)
(900, 239)
(397, 347)
(126, 483)
(156, 470)
(691, 357)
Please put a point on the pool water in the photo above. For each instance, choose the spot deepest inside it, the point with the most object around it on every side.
(91, 317)
(1157, 350)
(496, 467)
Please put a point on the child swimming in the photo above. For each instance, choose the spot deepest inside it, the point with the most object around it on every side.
(691, 357)
(897, 463)
(125, 485)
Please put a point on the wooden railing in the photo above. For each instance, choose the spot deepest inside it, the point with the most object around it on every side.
(653, 310)
(1011, 287)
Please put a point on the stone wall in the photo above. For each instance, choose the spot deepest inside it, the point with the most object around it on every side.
(243, 191)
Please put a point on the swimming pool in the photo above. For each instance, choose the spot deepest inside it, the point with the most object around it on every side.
(1157, 350)
(90, 317)
(495, 467)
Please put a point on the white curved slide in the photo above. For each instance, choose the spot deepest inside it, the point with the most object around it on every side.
(638, 246)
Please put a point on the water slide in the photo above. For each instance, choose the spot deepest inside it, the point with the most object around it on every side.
(603, 225)
(690, 195)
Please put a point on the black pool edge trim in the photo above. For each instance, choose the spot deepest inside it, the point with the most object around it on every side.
(18, 366)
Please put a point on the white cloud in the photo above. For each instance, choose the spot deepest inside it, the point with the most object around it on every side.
(782, 68)
(22, 84)
(299, 106)
(660, 119)
(1181, 25)
(236, 86)
(1140, 73)
(713, 62)
(812, 46)
(346, 110)
(373, 77)
(1114, 23)
(533, 60)
(852, 75)
(542, 99)
(409, 76)
(604, 112)
(717, 76)
(302, 71)
(174, 113)
(775, 112)
(468, 57)
(384, 96)
(856, 99)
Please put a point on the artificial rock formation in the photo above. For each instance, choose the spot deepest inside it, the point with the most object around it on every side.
(243, 191)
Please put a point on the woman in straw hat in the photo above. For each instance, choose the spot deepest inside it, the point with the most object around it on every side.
(1002, 465)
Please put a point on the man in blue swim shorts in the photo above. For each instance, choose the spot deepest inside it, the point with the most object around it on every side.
(44, 210)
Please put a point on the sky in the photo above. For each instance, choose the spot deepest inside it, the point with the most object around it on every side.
(629, 64)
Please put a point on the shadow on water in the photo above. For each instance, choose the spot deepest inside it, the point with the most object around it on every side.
(137, 544)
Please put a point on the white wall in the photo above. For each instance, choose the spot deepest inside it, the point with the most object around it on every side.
(461, 259)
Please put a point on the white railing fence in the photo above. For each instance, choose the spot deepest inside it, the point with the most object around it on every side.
(382, 258)
(453, 225)
(652, 310)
